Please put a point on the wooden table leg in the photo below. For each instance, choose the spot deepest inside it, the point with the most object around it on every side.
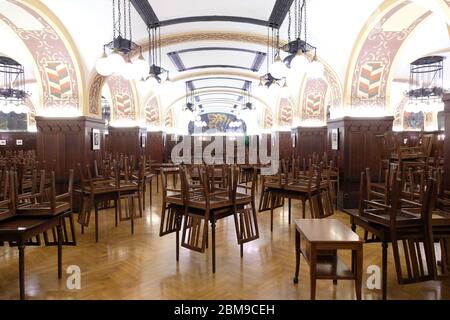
(312, 271)
(21, 248)
(96, 220)
(150, 190)
(289, 210)
(358, 271)
(177, 238)
(272, 200)
(58, 228)
(384, 246)
(297, 255)
(213, 244)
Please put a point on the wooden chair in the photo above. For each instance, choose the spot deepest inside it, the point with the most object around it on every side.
(93, 191)
(409, 223)
(127, 190)
(172, 211)
(245, 219)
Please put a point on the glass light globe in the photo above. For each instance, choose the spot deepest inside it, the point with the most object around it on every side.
(315, 70)
(116, 62)
(278, 68)
(102, 66)
(141, 66)
(299, 63)
(128, 71)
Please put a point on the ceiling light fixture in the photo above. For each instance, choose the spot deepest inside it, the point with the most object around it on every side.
(297, 48)
(12, 86)
(121, 47)
(274, 65)
(157, 74)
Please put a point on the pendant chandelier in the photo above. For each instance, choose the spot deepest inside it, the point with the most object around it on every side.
(274, 64)
(122, 47)
(12, 86)
(426, 82)
(297, 48)
(157, 74)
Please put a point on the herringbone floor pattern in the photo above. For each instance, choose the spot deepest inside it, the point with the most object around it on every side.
(143, 266)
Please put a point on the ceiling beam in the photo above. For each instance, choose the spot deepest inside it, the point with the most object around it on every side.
(213, 18)
(146, 12)
(279, 12)
(150, 18)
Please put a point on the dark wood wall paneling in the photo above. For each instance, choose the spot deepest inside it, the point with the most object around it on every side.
(66, 142)
(357, 151)
(29, 140)
(154, 146)
(285, 144)
(446, 100)
(127, 141)
(309, 140)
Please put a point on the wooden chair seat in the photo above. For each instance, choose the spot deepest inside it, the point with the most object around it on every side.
(43, 209)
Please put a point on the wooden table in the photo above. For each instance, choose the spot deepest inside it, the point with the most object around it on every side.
(20, 229)
(323, 236)
(441, 229)
(381, 234)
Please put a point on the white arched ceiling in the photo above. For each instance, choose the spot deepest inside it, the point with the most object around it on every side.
(333, 27)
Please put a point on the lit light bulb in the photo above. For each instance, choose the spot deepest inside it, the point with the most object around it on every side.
(102, 66)
(278, 68)
(141, 66)
(315, 70)
(115, 62)
(299, 63)
(128, 70)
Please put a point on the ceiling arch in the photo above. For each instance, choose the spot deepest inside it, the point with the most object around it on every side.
(376, 51)
(55, 56)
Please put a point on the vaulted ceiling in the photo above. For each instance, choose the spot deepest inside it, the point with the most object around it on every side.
(219, 47)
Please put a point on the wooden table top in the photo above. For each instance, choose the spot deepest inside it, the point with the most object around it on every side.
(326, 230)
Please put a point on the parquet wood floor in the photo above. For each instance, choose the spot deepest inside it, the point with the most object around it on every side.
(143, 266)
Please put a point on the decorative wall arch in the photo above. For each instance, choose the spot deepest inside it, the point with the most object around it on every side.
(285, 112)
(374, 56)
(55, 56)
(152, 112)
(124, 101)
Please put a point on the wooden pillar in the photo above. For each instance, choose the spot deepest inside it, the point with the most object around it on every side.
(127, 140)
(155, 146)
(65, 142)
(446, 100)
(285, 144)
(357, 150)
(309, 140)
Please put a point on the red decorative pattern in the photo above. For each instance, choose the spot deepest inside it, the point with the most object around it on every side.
(46, 47)
(380, 47)
(123, 104)
(370, 79)
(58, 79)
(314, 107)
(285, 113)
(152, 112)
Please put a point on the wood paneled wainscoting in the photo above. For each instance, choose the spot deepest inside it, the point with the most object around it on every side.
(154, 148)
(285, 144)
(357, 150)
(65, 142)
(309, 140)
(28, 140)
(127, 141)
(446, 100)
